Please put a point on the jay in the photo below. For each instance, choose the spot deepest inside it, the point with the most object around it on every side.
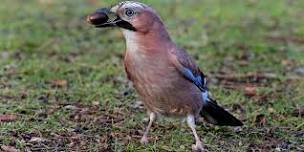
(166, 78)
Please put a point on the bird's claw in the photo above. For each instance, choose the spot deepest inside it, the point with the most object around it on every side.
(198, 148)
(144, 140)
(146, 119)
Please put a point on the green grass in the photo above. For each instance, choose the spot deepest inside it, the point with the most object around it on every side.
(44, 43)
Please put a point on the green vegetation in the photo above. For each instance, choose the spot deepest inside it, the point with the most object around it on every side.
(63, 87)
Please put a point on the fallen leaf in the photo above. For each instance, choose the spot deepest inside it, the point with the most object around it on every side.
(250, 90)
(9, 149)
(287, 62)
(37, 140)
(71, 107)
(59, 83)
(7, 117)
(95, 103)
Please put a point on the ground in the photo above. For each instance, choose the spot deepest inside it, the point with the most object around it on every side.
(63, 86)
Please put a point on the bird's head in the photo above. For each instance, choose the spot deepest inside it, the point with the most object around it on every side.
(129, 15)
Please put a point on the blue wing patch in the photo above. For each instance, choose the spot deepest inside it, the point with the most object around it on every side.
(199, 81)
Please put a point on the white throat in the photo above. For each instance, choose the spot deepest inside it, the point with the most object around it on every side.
(131, 42)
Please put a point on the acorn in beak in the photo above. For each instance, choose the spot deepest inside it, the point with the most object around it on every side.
(104, 17)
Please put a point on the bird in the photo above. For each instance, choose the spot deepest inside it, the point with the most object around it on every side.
(165, 76)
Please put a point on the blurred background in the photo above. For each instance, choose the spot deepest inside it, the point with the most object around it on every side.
(63, 87)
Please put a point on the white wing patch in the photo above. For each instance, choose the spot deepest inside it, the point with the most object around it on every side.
(205, 96)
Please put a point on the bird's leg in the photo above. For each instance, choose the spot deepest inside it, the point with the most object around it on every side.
(144, 139)
(198, 147)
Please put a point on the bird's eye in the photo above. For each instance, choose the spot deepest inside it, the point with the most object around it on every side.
(129, 12)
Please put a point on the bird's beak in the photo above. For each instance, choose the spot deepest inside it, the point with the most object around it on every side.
(104, 17)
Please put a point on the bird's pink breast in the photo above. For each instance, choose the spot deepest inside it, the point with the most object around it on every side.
(159, 84)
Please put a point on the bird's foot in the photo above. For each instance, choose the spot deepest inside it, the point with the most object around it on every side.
(198, 147)
(146, 119)
(144, 140)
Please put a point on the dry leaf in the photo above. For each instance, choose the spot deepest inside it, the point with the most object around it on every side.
(9, 149)
(37, 140)
(250, 90)
(59, 83)
(287, 62)
(7, 117)
(71, 107)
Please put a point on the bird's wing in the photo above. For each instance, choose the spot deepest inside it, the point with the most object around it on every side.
(188, 69)
(212, 112)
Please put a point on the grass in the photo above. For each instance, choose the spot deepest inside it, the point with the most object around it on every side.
(64, 79)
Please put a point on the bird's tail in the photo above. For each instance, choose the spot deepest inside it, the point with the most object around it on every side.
(216, 115)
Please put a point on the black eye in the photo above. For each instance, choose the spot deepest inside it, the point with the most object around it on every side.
(129, 12)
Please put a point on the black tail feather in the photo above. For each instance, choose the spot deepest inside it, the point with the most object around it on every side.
(216, 115)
